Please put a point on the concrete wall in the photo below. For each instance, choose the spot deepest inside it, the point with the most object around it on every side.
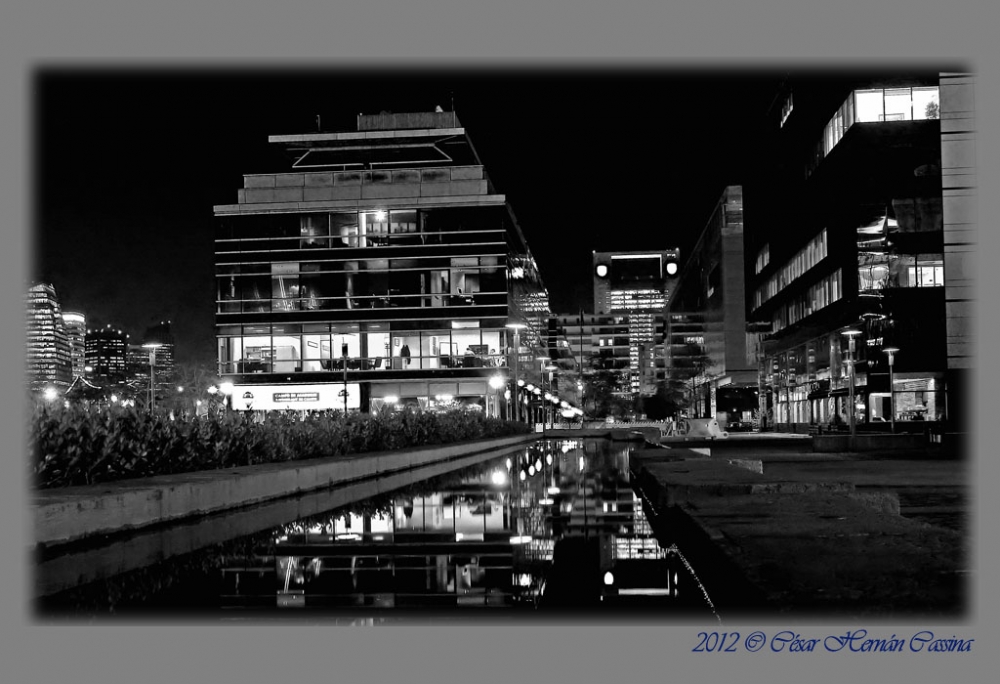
(71, 513)
(833, 443)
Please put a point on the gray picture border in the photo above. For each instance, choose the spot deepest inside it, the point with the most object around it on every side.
(594, 34)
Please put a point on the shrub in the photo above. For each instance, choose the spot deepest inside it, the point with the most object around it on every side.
(79, 445)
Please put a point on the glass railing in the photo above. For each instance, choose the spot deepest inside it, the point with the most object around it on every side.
(386, 301)
(362, 363)
(276, 243)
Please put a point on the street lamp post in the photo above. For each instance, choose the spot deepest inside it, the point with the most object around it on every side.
(579, 385)
(227, 395)
(546, 371)
(152, 346)
(550, 368)
(545, 385)
(497, 382)
(851, 334)
(343, 353)
(891, 351)
(516, 327)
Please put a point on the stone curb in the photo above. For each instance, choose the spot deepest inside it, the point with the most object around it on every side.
(71, 513)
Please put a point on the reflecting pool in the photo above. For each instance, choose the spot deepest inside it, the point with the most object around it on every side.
(548, 530)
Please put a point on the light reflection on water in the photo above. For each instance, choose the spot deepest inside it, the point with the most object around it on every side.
(552, 526)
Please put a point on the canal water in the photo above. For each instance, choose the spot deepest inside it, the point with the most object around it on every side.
(554, 529)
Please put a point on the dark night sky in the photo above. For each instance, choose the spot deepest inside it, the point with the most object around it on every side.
(129, 164)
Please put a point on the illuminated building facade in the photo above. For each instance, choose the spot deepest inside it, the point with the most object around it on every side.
(47, 351)
(635, 286)
(75, 325)
(106, 352)
(379, 268)
(137, 363)
(596, 343)
(850, 234)
(706, 318)
(163, 360)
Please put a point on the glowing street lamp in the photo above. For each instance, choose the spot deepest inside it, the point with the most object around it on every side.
(497, 383)
(891, 351)
(851, 334)
(152, 346)
(226, 388)
(517, 328)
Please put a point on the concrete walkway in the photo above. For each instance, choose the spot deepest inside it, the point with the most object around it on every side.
(72, 513)
(806, 534)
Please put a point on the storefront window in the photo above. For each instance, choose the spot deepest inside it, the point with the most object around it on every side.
(255, 290)
(344, 228)
(403, 227)
(925, 103)
(373, 228)
(898, 106)
(917, 270)
(314, 231)
(285, 286)
(230, 353)
(287, 353)
(317, 350)
(407, 352)
(257, 354)
(868, 105)
(919, 397)
(873, 271)
(379, 350)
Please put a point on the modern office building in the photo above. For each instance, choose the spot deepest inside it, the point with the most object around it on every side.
(379, 267)
(105, 351)
(846, 248)
(596, 343)
(137, 365)
(47, 349)
(636, 286)
(706, 318)
(163, 357)
(75, 325)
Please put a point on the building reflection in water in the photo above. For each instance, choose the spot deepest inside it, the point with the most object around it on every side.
(491, 537)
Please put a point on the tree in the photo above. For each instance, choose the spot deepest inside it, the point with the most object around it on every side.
(602, 396)
(685, 367)
(191, 383)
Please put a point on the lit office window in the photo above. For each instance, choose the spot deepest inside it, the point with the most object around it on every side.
(898, 106)
(925, 276)
(925, 103)
(868, 106)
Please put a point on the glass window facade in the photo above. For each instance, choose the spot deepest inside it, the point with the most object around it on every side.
(379, 292)
(312, 272)
(804, 259)
(877, 105)
(818, 296)
(763, 259)
(48, 359)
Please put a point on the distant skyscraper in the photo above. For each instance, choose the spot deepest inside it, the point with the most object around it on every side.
(47, 348)
(137, 364)
(636, 286)
(75, 325)
(164, 359)
(105, 353)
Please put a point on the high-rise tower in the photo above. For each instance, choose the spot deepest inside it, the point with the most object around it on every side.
(47, 348)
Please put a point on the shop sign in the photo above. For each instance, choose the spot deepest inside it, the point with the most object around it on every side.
(289, 397)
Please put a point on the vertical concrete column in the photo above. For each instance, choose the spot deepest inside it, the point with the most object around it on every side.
(958, 190)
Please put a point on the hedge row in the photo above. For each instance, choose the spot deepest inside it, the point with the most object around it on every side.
(77, 445)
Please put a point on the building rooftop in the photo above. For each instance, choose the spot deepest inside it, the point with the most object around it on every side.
(384, 140)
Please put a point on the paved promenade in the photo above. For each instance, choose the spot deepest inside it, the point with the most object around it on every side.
(785, 532)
